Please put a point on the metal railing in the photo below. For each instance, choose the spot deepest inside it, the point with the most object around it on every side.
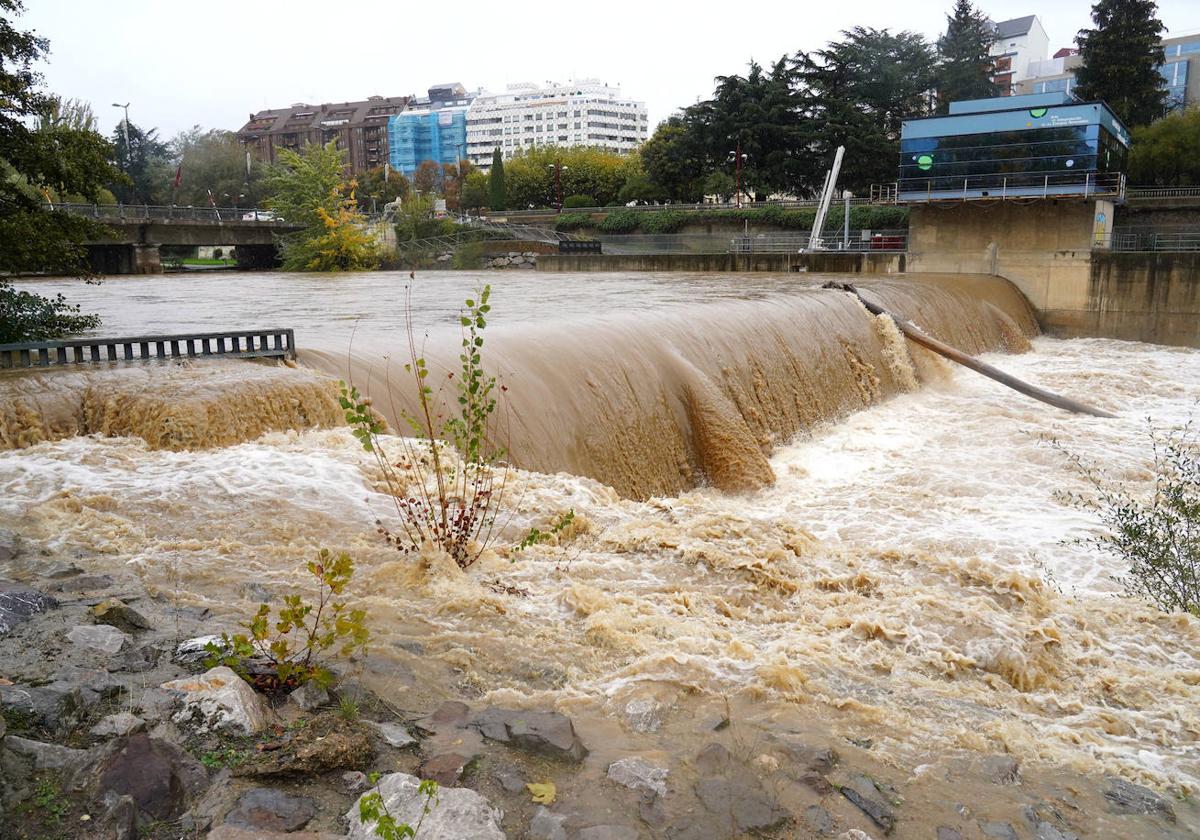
(242, 344)
(796, 204)
(993, 187)
(760, 243)
(156, 212)
(1162, 192)
(1151, 240)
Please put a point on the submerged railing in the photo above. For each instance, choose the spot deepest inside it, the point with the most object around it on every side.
(247, 344)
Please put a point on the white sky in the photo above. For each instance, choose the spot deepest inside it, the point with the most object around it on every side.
(212, 62)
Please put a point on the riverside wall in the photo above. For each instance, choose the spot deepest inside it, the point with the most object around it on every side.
(834, 263)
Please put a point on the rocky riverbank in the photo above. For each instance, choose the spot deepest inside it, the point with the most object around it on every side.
(113, 728)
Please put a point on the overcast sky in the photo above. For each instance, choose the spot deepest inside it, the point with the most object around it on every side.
(212, 62)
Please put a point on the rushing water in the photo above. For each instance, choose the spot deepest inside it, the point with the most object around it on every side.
(907, 574)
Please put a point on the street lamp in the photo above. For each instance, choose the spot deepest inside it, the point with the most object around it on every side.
(558, 171)
(738, 158)
(124, 127)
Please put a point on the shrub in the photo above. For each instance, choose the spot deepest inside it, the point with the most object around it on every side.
(25, 316)
(663, 221)
(291, 646)
(572, 221)
(620, 221)
(572, 201)
(1156, 535)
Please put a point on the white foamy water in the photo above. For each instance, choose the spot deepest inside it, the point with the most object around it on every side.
(892, 581)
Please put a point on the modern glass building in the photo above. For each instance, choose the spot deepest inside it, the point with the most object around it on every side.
(436, 134)
(1013, 146)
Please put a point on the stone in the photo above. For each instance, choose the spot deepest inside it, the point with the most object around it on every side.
(866, 796)
(235, 832)
(450, 715)
(1127, 798)
(271, 809)
(20, 603)
(636, 773)
(219, 699)
(1001, 769)
(192, 651)
(309, 696)
(444, 768)
(160, 777)
(137, 660)
(84, 583)
(645, 714)
(743, 800)
(355, 780)
(120, 818)
(945, 832)
(1043, 830)
(546, 825)
(393, 733)
(62, 570)
(10, 545)
(998, 830)
(98, 637)
(48, 705)
(548, 733)
(117, 613)
(805, 758)
(713, 760)
(328, 742)
(607, 832)
(122, 723)
(461, 814)
(818, 820)
(46, 756)
(511, 779)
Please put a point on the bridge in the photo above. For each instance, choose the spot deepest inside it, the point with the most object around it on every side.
(138, 230)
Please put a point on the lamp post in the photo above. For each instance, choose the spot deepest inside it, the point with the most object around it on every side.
(737, 157)
(125, 129)
(558, 171)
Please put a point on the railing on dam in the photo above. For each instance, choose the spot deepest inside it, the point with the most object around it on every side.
(156, 212)
(243, 344)
(1134, 239)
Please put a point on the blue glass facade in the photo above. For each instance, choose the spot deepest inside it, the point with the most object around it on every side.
(1012, 146)
(417, 136)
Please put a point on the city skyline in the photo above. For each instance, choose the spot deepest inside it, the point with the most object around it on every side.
(242, 59)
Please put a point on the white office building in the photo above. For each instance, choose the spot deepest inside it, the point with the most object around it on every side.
(584, 112)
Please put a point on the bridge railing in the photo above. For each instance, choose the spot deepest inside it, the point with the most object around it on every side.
(242, 344)
(167, 212)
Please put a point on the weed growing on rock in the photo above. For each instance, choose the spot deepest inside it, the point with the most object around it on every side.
(286, 652)
(372, 808)
(1156, 534)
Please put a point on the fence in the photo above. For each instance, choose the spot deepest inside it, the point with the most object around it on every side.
(1132, 239)
(760, 243)
(797, 203)
(156, 212)
(239, 345)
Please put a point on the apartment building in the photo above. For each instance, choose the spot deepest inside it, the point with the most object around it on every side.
(433, 127)
(584, 112)
(361, 128)
(1180, 71)
(1019, 42)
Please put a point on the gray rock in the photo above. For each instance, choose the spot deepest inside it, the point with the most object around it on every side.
(62, 570)
(742, 799)
(945, 832)
(3, 727)
(1127, 798)
(450, 715)
(48, 705)
(607, 832)
(1047, 831)
(122, 723)
(461, 814)
(84, 583)
(270, 809)
(117, 613)
(636, 773)
(548, 733)
(355, 780)
(309, 696)
(98, 637)
(1001, 769)
(866, 796)
(192, 652)
(10, 545)
(510, 779)
(818, 820)
(46, 756)
(645, 714)
(219, 699)
(445, 768)
(808, 758)
(120, 819)
(713, 760)
(393, 733)
(160, 777)
(547, 825)
(20, 603)
(998, 830)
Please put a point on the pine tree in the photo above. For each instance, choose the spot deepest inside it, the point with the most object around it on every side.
(1121, 57)
(964, 64)
(496, 196)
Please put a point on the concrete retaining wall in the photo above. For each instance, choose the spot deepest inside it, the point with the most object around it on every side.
(1139, 297)
(832, 263)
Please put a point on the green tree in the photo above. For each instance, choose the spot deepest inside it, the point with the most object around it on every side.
(1121, 57)
(213, 163)
(475, 191)
(307, 188)
(58, 159)
(380, 186)
(964, 64)
(721, 184)
(497, 190)
(1166, 153)
(67, 113)
(146, 164)
(674, 159)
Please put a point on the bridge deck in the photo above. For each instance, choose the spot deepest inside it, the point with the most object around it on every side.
(240, 344)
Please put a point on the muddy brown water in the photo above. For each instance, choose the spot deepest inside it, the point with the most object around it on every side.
(886, 563)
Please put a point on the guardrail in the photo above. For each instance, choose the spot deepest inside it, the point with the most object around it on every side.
(242, 344)
(1163, 192)
(1151, 240)
(760, 243)
(1004, 186)
(162, 212)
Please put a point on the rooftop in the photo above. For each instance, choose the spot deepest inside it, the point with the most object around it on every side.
(1016, 26)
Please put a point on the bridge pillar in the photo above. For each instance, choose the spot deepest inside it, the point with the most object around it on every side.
(124, 258)
(257, 257)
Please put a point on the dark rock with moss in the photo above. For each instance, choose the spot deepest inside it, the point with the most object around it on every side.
(866, 796)
(327, 742)
(548, 733)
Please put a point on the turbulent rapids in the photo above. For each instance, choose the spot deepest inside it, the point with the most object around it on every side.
(893, 567)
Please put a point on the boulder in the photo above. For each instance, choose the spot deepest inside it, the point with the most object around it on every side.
(548, 733)
(460, 814)
(546, 825)
(328, 742)
(270, 809)
(866, 796)
(162, 779)
(122, 723)
(309, 696)
(117, 613)
(98, 637)
(645, 714)
(636, 773)
(119, 820)
(393, 733)
(20, 603)
(234, 832)
(46, 756)
(818, 820)
(742, 801)
(219, 699)
(444, 768)
(192, 651)
(998, 830)
(1127, 798)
